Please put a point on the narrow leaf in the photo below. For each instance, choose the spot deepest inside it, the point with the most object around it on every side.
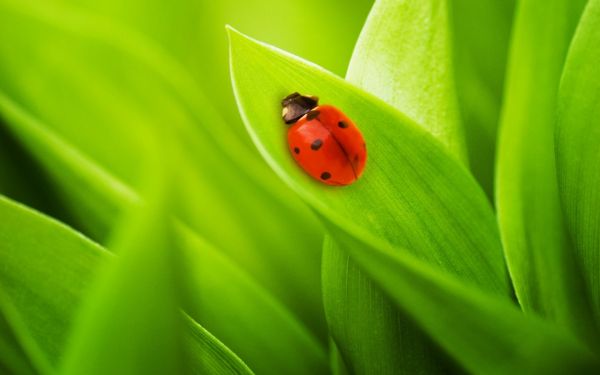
(404, 56)
(538, 252)
(481, 32)
(130, 321)
(577, 156)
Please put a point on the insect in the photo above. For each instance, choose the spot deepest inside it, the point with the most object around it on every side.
(323, 140)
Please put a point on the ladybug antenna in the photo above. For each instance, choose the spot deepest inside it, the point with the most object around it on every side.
(295, 106)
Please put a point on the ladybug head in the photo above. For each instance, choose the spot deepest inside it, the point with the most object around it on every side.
(296, 106)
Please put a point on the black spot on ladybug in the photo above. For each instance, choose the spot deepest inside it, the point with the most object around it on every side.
(312, 115)
(355, 159)
(325, 176)
(342, 124)
(316, 144)
(296, 150)
(365, 146)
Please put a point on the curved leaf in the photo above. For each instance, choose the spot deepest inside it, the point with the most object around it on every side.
(412, 194)
(486, 334)
(47, 270)
(538, 253)
(577, 156)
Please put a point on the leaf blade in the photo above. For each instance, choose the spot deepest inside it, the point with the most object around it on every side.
(575, 151)
(531, 224)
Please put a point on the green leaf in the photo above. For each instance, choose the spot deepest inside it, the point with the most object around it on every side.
(132, 313)
(117, 87)
(539, 256)
(48, 269)
(372, 334)
(481, 31)
(577, 155)
(404, 56)
(486, 334)
(412, 194)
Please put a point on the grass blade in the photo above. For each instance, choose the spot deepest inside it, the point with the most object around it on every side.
(132, 312)
(576, 149)
(481, 32)
(539, 257)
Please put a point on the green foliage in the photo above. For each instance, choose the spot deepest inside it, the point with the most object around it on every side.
(142, 233)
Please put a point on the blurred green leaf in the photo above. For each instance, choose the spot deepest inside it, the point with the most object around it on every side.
(132, 313)
(404, 57)
(279, 328)
(538, 252)
(481, 31)
(115, 87)
(48, 269)
(577, 136)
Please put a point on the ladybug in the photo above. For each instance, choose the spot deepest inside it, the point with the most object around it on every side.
(323, 140)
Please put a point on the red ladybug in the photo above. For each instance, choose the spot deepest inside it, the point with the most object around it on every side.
(323, 140)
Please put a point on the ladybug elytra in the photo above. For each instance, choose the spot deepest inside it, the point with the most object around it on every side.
(323, 140)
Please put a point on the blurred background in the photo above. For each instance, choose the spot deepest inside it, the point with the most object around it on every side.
(86, 88)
